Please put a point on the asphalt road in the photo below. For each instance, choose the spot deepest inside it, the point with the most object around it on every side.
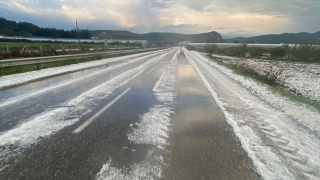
(145, 118)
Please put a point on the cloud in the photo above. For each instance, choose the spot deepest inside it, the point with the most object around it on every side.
(160, 3)
(233, 16)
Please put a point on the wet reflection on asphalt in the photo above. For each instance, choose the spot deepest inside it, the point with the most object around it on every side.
(199, 144)
(203, 145)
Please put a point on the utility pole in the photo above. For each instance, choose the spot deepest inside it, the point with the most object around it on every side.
(78, 35)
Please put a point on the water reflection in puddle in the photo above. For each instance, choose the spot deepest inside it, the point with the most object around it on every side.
(187, 80)
(202, 143)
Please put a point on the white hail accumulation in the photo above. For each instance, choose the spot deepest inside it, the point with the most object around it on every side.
(53, 120)
(152, 129)
(279, 146)
(297, 77)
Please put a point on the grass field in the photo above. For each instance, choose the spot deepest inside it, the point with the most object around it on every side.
(14, 46)
(24, 48)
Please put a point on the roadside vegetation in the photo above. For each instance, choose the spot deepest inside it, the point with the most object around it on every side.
(271, 83)
(306, 52)
(25, 48)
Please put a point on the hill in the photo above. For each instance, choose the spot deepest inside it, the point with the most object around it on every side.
(286, 38)
(160, 37)
(13, 28)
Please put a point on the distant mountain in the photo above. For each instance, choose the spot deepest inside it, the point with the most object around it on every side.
(286, 38)
(160, 37)
(12, 28)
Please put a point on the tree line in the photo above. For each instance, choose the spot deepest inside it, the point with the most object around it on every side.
(12, 28)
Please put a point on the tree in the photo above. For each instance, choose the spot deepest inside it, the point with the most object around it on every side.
(13, 28)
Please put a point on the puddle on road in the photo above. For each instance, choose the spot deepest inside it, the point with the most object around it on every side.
(203, 145)
(187, 80)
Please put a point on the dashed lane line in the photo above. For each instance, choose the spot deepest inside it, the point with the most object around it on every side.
(89, 121)
(151, 70)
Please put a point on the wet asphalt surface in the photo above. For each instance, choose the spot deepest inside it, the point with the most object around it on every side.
(201, 143)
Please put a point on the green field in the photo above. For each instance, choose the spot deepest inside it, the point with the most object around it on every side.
(26, 48)
(18, 46)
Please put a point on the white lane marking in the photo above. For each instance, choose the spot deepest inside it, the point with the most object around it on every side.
(47, 123)
(152, 129)
(151, 70)
(85, 124)
(89, 121)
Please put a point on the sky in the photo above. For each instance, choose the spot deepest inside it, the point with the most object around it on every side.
(231, 18)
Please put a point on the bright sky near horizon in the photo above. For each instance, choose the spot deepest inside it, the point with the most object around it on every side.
(230, 18)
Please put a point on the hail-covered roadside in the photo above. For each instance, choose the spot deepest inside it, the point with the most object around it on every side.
(280, 136)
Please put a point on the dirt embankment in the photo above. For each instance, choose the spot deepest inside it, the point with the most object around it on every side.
(303, 79)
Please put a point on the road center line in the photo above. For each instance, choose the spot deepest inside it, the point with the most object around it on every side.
(89, 121)
(151, 70)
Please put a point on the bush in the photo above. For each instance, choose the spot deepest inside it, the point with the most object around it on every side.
(306, 52)
(302, 53)
(238, 51)
(210, 48)
(241, 50)
(191, 48)
(256, 52)
(277, 52)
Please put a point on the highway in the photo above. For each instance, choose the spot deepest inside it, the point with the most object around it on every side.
(161, 115)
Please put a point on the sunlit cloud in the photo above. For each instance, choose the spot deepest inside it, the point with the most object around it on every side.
(233, 17)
